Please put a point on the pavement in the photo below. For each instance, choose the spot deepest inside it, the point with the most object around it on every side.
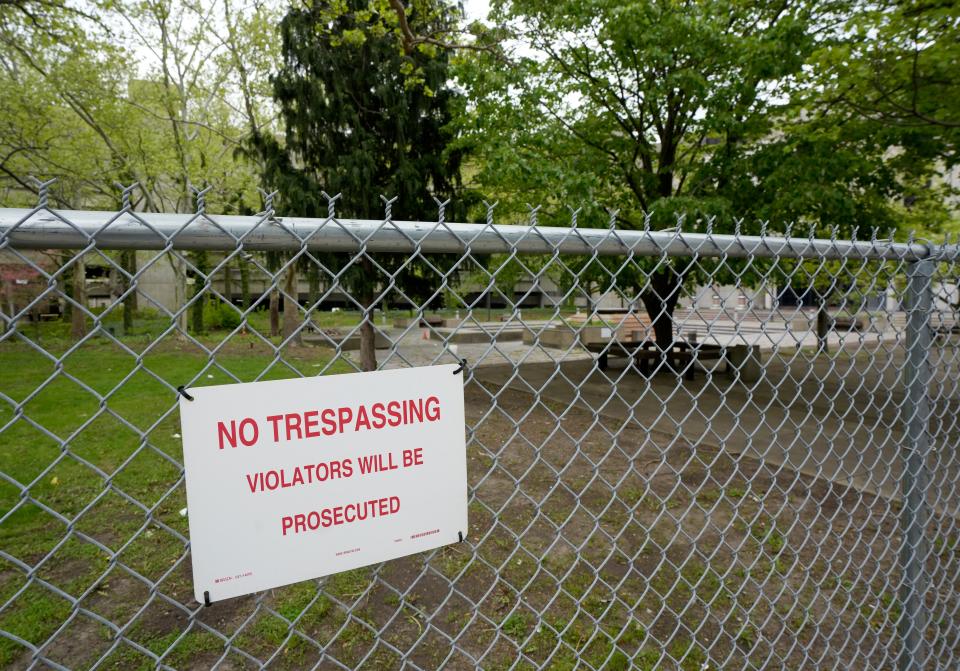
(838, 416)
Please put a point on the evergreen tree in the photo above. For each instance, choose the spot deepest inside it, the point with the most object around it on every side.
(363, 118)
(355, 122)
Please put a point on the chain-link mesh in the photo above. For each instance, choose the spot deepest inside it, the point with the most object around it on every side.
(685, 450)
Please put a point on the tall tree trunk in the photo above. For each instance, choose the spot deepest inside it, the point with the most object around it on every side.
(368, 342)
(660, 298)
(244, 282)
(66, 308)
(368, 351)
(128, 261)
(665, 184)
(313, 284)
(273, 263)
(228, 283)
(179, 270)
(78, 316)
(823, 326)
(11, 307)
(199, 284)
(291, 304)
(274, 311)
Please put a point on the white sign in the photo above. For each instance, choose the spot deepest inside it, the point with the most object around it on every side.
(295, 479)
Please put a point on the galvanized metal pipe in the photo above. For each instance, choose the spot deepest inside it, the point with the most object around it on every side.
(25, 229)
(915, 513)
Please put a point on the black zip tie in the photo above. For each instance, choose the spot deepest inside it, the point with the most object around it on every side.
(183, 392)
(460, 533)
(463, 364)
(206, 595)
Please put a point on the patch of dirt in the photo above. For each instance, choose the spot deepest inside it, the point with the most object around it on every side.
(592, 539)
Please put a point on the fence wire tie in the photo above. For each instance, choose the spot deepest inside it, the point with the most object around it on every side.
(463, 364)
(182, 390)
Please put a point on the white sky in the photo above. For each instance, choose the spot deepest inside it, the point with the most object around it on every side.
(476, 9)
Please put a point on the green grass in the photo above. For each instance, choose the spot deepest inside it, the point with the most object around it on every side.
(516, 626)
(150, 324)
(95, 427)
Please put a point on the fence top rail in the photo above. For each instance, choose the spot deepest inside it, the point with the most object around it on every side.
(77, 229)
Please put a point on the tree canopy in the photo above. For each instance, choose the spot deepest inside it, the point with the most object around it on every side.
(353, 124)
(832, 115)
(668, 107)
(728, 113)
(896, 67)
(160, 93)
(837, 113)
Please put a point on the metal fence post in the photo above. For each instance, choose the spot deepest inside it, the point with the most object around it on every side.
(916, 510)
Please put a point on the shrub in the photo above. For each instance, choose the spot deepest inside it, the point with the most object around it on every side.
(219, 315)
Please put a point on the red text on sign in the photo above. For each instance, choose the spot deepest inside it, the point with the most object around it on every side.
(299, 475)
(248, 432)
(347, 514)
(331, 421)
(376, 463)
(413, 457)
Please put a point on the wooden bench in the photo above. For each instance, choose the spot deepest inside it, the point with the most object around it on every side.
(847, 324)
(682, 355)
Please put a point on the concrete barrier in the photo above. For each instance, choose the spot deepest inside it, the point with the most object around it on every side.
(558, 337)
(744, 361)
(595, 334)
(404, 322)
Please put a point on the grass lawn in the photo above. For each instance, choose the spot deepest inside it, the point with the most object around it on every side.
(151, 324)
(97, 443)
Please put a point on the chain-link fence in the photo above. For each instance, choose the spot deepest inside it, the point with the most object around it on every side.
(686, 450)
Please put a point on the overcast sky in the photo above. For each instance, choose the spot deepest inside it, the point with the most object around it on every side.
(476, 9)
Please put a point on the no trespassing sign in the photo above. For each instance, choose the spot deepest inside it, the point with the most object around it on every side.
(289, 480)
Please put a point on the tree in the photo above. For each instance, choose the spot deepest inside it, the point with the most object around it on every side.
(659, 108)
(160, 93)
(895, 64)
(355, 125)
(54, 72)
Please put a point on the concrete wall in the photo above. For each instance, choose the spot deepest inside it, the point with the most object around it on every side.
(728, 298)
(159, 282)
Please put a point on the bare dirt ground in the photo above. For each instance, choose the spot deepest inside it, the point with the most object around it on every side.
(839, 416)
(596, 541)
